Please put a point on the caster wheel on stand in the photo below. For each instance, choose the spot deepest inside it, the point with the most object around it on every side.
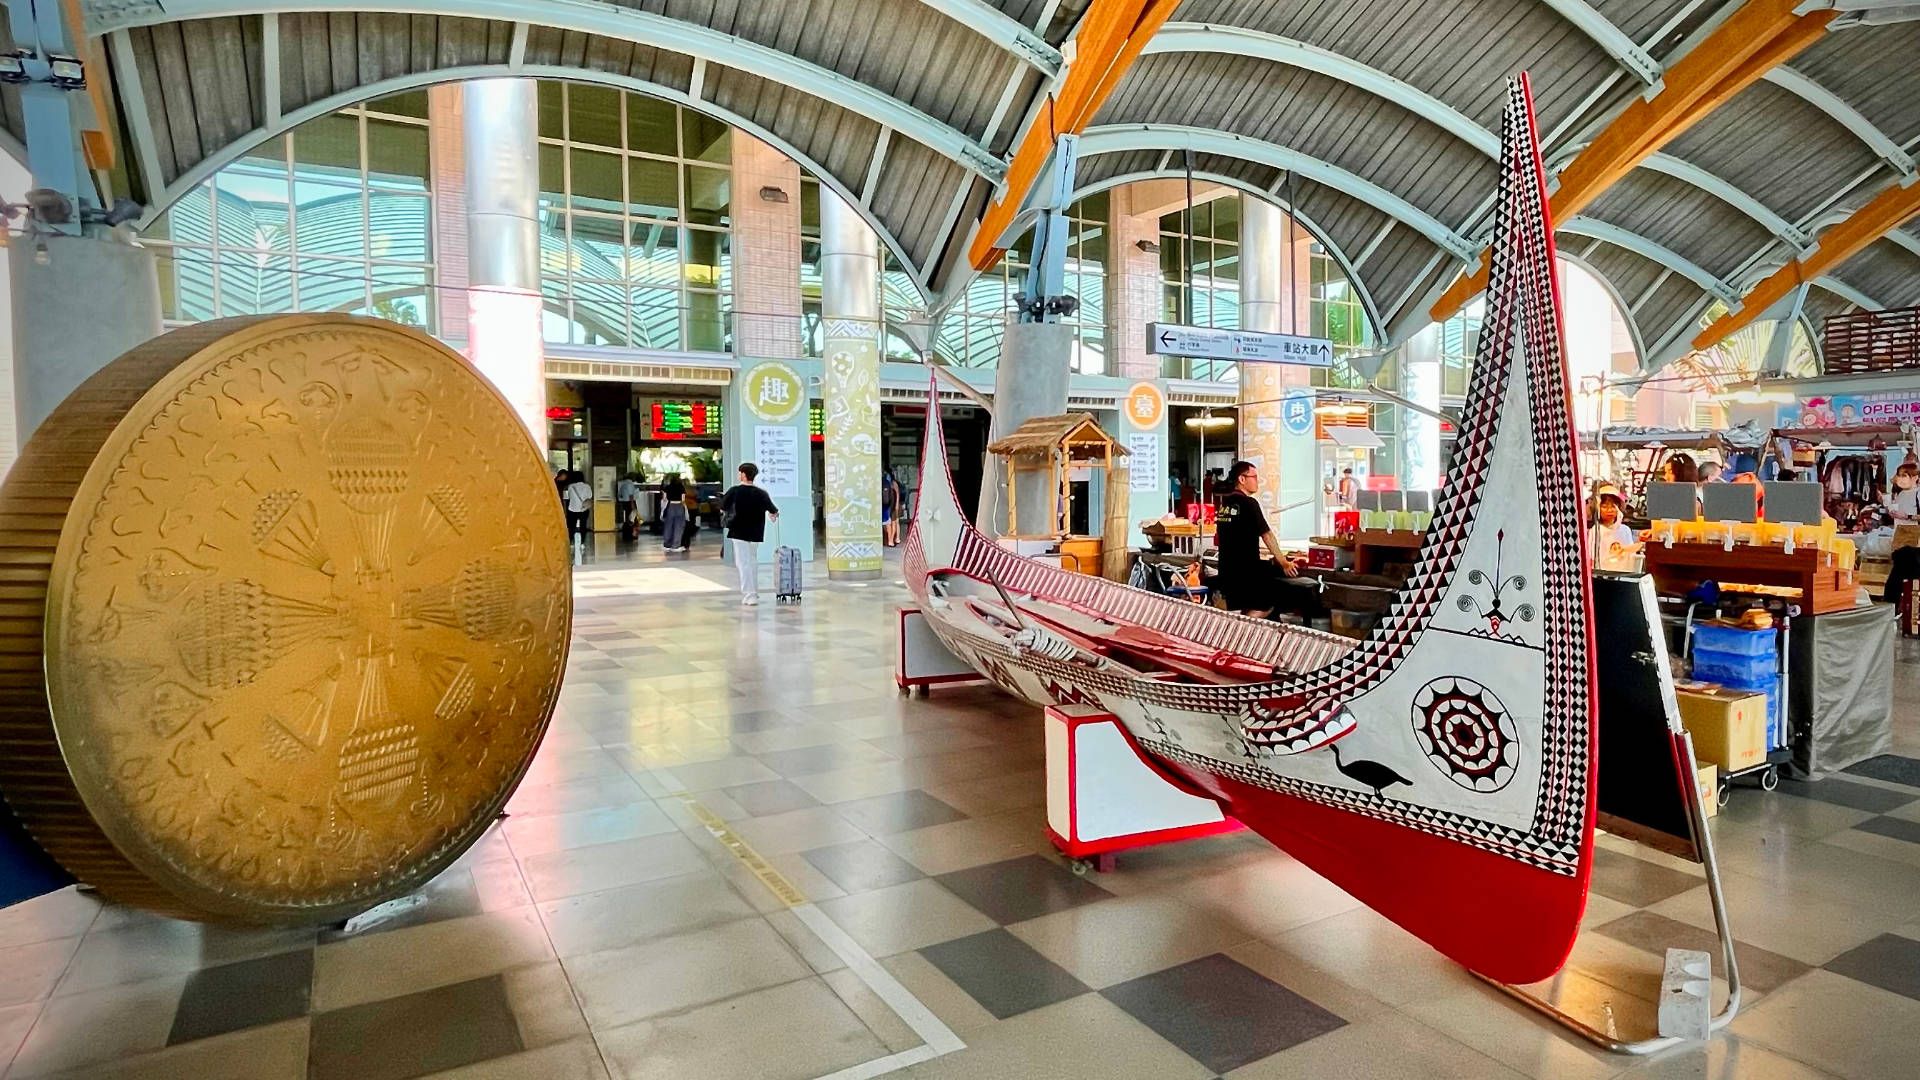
(1099, 864)
(1770, 780)
(1724, 795)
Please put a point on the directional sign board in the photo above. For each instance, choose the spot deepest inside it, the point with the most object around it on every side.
(1208, 343)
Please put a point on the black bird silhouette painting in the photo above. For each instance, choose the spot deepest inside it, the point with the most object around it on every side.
(1371, 773)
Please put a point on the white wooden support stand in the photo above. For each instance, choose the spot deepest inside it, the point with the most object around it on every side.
(1104, 796)
(923, 660)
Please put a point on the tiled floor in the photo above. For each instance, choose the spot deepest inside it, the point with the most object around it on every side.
(607, 929)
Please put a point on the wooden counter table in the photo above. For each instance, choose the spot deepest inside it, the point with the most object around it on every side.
(1822, 586)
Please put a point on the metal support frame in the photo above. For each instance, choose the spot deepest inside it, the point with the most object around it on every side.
(54, 154)
(1617, 44)
(1046, 280)
(1235, 41)
(1697, 814)
(1129, 137)
(622, 24)
(1652, 252)
(1782, 339)
(1003, 30)
(1845, 115)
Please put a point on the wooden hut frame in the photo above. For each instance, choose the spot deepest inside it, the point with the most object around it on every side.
(1056, 445)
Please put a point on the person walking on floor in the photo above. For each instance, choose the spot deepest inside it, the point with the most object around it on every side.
(746, 508)
(626, 498)
(673, 514)
(578, 496)
(891, 497)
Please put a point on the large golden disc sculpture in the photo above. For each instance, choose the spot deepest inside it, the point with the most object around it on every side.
(306, 610)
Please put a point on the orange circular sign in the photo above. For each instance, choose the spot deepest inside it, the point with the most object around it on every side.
(1145, 405)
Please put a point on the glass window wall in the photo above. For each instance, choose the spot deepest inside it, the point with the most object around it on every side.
(635, 221)
(334, 216)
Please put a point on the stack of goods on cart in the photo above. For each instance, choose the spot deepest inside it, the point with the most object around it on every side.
(1734, 702)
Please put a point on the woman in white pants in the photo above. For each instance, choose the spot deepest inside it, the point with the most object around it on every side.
(747, 508)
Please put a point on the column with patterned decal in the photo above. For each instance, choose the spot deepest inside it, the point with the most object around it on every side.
(1143, 429)
(850, 387)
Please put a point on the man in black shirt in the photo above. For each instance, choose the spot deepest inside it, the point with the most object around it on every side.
(747, 508)
(1248, 584)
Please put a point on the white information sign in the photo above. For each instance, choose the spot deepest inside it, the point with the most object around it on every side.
(1144, 464)
(1209, 343)
(776, 449)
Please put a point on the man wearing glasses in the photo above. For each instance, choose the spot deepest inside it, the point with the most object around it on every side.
(1247, 583)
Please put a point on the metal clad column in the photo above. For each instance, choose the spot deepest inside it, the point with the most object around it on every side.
(500, 120)
(1274, 298)
(77, 306)
(850, 387)
(1420, 442)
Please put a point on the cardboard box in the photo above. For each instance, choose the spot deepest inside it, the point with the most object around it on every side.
(1707, 782)
(1729, 727)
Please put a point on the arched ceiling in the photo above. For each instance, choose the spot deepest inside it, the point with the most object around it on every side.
(1377, 114)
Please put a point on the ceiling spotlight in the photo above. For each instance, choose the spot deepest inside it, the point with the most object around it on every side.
(1147, 246)
(66, 72)
(13, 67)
(773, 194)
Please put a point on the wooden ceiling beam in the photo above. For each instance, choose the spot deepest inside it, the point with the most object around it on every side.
(1760, 36)
(1109, 40)
(1882, 214)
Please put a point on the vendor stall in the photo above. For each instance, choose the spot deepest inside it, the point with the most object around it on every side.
(1067, 448)
(1636, 456)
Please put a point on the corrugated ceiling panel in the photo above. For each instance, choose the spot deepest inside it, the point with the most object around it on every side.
(1676, 301)
(1821, 305)
(1679, 216)
(1103, 167)
(1460, 52)
(1314, 115)
(1886, 272)
(1872, 70)
(901, 47)
(913, 194)
(840, 141)
(1639, 19)
(1628, 274)
(1769, 143)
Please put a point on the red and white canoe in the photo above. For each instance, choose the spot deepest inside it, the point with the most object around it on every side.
(1441, 769)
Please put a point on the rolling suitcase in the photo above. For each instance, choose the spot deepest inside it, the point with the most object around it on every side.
(786, 573)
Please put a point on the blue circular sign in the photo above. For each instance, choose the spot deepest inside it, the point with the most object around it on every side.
(1296, 411)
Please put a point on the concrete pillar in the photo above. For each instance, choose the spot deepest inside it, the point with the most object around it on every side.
(76, 308)
(766, 251)
(1420, 437)
(500, 119)
(1274, 296)
(1030, 381)
(850, 387)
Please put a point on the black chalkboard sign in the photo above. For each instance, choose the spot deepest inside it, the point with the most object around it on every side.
(1646, 782)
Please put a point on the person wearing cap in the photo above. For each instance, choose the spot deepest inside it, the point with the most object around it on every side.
(1610, 544)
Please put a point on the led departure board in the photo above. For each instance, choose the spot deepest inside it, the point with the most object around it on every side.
(678, 420)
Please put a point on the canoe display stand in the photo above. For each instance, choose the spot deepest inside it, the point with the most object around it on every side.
(1645, 785)
(923, 661)
(1105, 796)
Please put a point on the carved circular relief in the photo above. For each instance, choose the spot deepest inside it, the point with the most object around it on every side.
(305, 624)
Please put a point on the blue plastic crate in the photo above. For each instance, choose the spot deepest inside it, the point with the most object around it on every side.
(1736, 672)
(1715, 637)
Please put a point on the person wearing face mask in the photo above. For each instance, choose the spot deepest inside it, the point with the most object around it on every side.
(1904, 499)
(1610, 544)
